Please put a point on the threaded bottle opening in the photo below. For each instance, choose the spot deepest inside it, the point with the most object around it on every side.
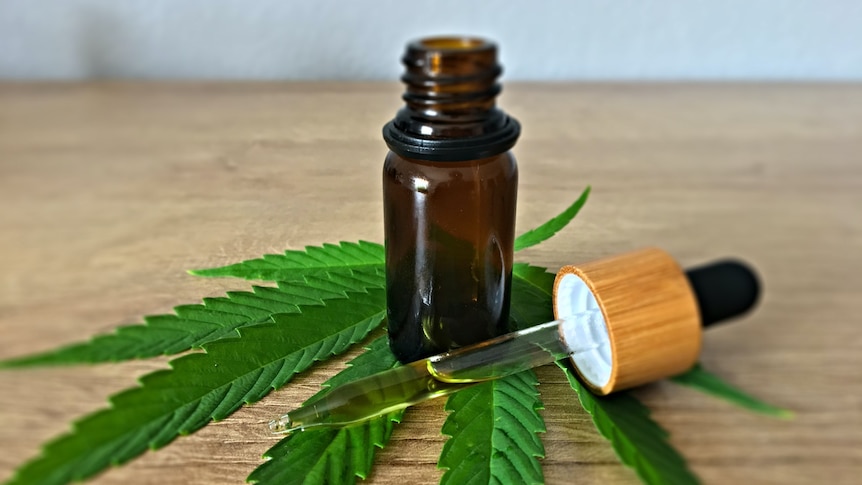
(451, 65)
(450, 96)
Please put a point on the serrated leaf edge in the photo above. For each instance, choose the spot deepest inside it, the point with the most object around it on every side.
(304, 360)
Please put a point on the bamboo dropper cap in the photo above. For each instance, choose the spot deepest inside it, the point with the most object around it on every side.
(653, 313)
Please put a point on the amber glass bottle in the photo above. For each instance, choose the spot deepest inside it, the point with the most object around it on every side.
(449, 192)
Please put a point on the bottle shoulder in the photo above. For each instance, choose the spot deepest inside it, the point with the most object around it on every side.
(502, 166)
(500, 170)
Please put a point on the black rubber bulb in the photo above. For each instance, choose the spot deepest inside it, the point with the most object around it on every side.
(724, 290)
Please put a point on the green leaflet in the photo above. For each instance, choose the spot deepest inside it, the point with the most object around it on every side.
(194, 325)
(548, 229)
(204, 386)
(531, 302)
(638, 440)
(493, 426)
(707, 382)
(314, 260)
(334, 456)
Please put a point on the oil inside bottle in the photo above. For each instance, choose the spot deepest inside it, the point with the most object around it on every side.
(450, 233)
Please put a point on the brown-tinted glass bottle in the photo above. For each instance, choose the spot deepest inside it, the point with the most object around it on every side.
(449, 192)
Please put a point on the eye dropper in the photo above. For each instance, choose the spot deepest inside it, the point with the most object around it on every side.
(624, 321)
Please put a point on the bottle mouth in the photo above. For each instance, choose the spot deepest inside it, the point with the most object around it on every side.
(451, 60)
(452, 43)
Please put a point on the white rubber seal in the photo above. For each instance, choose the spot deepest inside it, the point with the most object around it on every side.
(584, 330)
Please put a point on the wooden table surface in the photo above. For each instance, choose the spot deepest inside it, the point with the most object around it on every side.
(108, 192)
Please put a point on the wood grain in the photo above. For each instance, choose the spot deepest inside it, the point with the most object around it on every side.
(108, 192)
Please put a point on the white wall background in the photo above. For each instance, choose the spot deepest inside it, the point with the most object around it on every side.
(363, 39)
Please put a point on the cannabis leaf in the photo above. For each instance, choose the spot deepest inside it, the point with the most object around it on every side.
(314, 260)
(328, 298)
(707, 382)
(334, 456)
(548, 229)
(205, 386)
(194, 325)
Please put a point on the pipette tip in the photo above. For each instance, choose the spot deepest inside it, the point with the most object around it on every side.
(281, 425)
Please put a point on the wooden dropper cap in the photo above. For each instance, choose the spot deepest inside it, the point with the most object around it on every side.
(653, 313)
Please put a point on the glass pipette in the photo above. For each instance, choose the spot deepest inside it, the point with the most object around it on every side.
(446, 373)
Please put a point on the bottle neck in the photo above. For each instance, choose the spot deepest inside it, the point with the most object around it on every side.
(450, 108)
